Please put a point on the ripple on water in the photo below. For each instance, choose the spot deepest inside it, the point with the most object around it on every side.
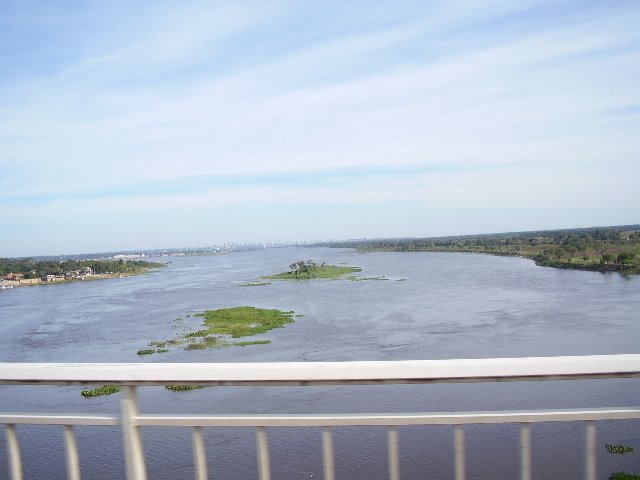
(449, 306)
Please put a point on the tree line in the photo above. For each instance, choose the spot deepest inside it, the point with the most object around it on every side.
(591, 248)
(31, 268)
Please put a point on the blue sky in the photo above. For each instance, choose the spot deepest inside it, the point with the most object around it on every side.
(129, 125)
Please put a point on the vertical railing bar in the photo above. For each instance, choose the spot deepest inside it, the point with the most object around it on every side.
(199, 454)
(328, 462)
(525, 452)
(264, 467)
(394, 462)
(590, 450)
(133, 450)
(13, 451)
(458, 445)
(71, 453)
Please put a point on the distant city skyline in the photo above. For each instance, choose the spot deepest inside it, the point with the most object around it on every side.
(157, 124)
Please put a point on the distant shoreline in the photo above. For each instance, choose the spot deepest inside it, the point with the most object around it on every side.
(605, 249)
(540, 262)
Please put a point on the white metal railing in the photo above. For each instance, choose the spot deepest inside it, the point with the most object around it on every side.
(313, 373)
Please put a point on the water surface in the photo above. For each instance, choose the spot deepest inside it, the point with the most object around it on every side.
(433, 306)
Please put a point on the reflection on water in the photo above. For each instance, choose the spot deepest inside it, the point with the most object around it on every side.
(434, 305)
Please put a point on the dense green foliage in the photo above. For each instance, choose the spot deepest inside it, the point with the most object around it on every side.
(30, 268)
(307, 270)
(97, 392)
(602, 249)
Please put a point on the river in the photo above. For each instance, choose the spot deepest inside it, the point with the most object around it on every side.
(432, 306)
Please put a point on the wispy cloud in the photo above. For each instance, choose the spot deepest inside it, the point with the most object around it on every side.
(233, 104)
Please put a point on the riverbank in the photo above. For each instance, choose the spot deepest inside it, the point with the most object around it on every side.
(31, 282)
(592, 264)
(55, 274)
(603, 249)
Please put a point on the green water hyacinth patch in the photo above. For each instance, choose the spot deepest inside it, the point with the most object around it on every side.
(182, 388)
(239, 322)
(619, 449)
(252, 342)
(221, 325)
(98, 392)
(146, 351)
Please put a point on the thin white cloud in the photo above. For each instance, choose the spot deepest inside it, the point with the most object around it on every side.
(161, 103)
(483, 189)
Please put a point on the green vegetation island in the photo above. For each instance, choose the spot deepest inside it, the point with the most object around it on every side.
(602, 249)
(26, 271)
(223, 326)
(304, 270)
(309, 270)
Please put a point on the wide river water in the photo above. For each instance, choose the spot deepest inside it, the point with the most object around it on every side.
(432, 306)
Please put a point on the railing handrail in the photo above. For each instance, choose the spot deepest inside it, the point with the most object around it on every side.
(333, 419)
(326, 373)
(129, 375)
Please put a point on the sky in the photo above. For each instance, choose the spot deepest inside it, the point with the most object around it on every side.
(133, 125)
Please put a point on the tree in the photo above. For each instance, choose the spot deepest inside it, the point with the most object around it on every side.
(600, 247)
(301, 266)
(582, 246)
(557, 252)
(625, 257)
